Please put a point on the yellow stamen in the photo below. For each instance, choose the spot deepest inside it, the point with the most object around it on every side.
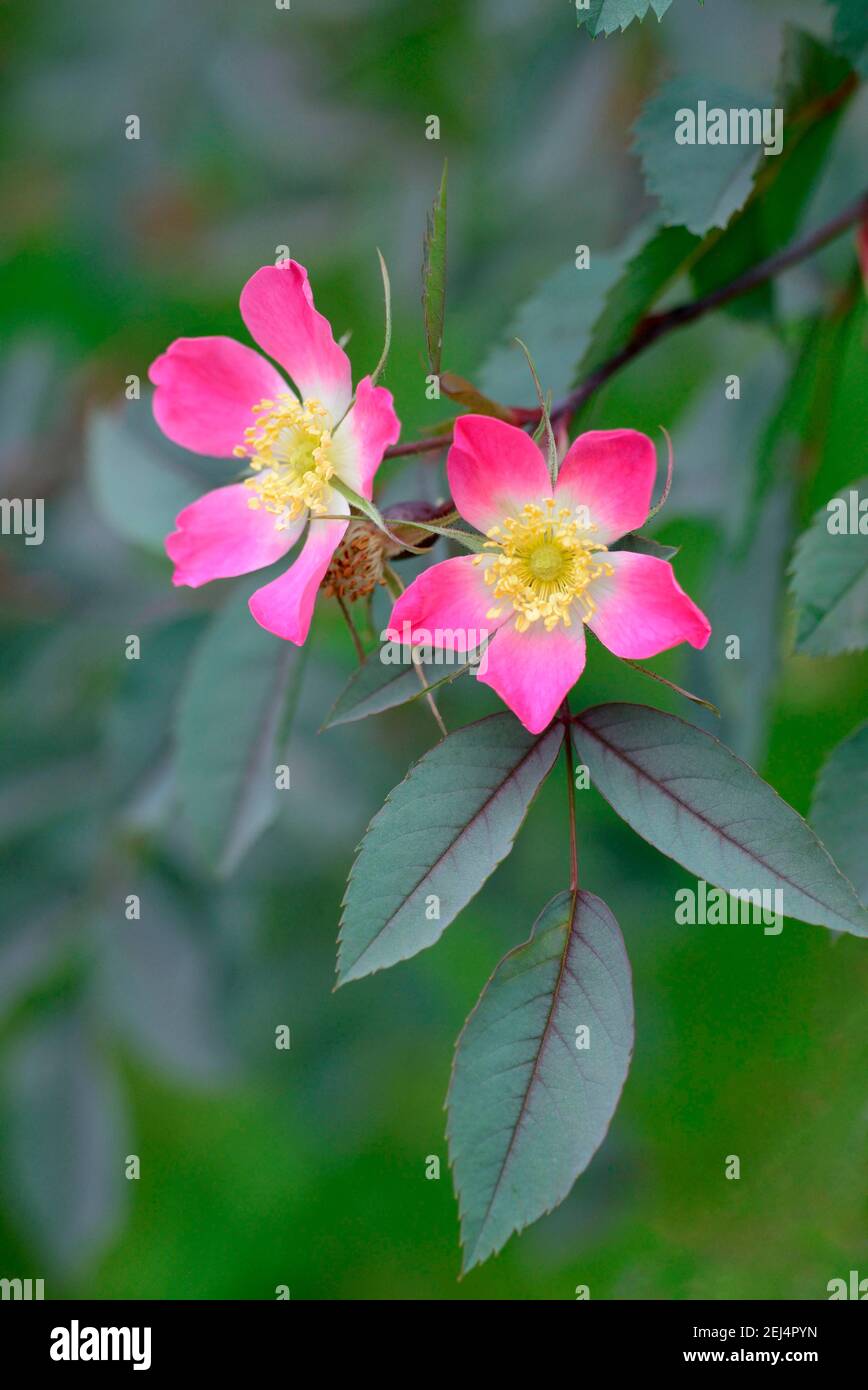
(289, 450)
(542, 565)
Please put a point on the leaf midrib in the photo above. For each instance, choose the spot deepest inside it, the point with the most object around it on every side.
(543, 1043)
(637, 768)
(535, 746)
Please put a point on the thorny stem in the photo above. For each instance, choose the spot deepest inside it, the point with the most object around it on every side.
(429, 697)
(571, 796)
(357, 641)
(419, 446)
(656, 326)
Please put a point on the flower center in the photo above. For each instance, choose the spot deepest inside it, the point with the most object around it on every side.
(289, 450)
(547, 561)
(543, 563)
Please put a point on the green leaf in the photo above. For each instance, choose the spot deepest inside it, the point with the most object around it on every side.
(718, 443)
(809, 74)
(605, 16)
(812, 91)
(376, 686)
(792, 421)
(814, 420)
(829, 579)
(556, 322)
(138, 488)
(157, 982)
(65, 1136)
(434, 277)
(137, 727)
(695, 801)
(850, 33)
(718, 440)
(838, 407)
(652, 259)
(578, 319)
(31, 950)
(745, 595)
(528, 1107)
(839, 811)
(231, 732)
(439, 836)
(699, 186)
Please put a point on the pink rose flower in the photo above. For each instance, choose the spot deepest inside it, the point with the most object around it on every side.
(547, 568)
(215, 396)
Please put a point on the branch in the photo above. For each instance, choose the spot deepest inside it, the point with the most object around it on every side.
(656, 326)
(571, 795)
(419, 446)
(348, 619)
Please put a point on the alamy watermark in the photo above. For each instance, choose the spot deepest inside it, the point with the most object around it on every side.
(713, 907)
(854, 1287)
(442, 646)
(847, 516)
(738, 125)
(23, 516)
(26, 1290)
(77, 1343)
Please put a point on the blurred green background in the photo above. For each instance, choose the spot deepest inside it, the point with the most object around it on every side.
(262, 128)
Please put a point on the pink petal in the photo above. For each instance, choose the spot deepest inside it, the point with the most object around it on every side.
(533, 671)
(642, 609)
(494, 469)
(285, 606)
(445, 606)
(611, 472)
(367, 430)
(206, 390)
(221, 536)
(277, 306)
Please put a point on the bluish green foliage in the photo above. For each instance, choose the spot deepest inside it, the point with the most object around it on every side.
(538, 1071)
(829, 577)
(607, 16)
(699, 185)
(839, 810)
(694, 800)
(440, 835)
(232, 733)
(156, 1035)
